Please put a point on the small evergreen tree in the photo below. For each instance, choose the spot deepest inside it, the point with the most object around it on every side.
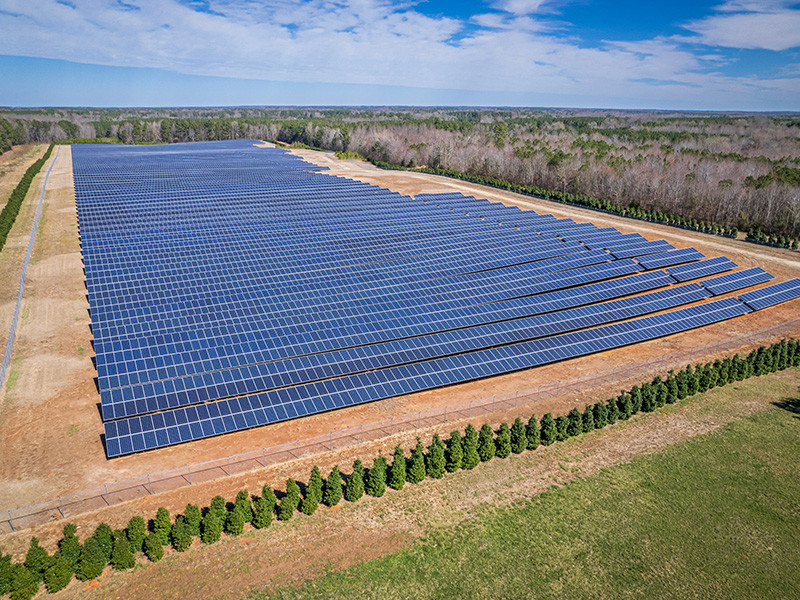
(416, 464)
(180, 535)
(121, 555)
(58, 574)
(162, 525)
(435, 461)
(136, 532)
(310, 503)
(486, 446)
(217, 506)
(636, 400)
(672, 389)
(470, 443)
(683, 385)
(92, 560)
(234, 522)
(612, 411)
(105, 540)
(502, 443)
(519, 439)
(648, 398)
(548, 430)
(692, 380)
(562, 426)
(588, 419)
(262, 515)
(532, 433)
(22, 584)
(211, 529)
(375, 484)
(625, 404)
(354, 488)
(37, 560)
(6, 568)
(244, 505)
(70, 546)
(397, 472)
(193, 518)
(154, 549)
(315, 484)
(600, 413)
(332, 492)
(455, 453)
(290, 501)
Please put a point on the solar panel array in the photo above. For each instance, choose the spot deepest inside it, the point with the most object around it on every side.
(232, 286)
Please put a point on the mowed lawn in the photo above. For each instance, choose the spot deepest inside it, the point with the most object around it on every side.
(714, 517)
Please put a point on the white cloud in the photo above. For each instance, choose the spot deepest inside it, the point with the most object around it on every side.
(765, 25)
(519, 7)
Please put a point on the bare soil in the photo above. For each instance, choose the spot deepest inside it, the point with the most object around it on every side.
(50, 424)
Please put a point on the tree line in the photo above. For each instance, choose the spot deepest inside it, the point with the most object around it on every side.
(462, 450)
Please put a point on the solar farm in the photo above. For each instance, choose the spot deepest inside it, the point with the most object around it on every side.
(232, 286)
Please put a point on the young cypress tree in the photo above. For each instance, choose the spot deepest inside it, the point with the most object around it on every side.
(435, 461)
(105, 540)
(574, 423)
(672, 389)
(532, 433)
(290, 501)
(92, 560)
(180, 535)
(262, 513)
(315, 484)
(636, 400)
(612, 411)
(455, 453)
(503, 441)
(703, 382)
(58, 574)
(70, 546)
(683, 384)
(211, 529)
(625, 404)
(471, 456)
(193, 518)
(648, 399)
(519, 440)
(548, 430)
(22, 583)
(662, 393)
(311, 499)
(332, 492)
(713, 375)
(588, 419)
(354, 488)
(234, 522)
(600, 412)
(6, 568)
(397, 472)
(562, 425)
(154, 549)
(692, 380)
(375, 484)
(162, 525)
(416, 464)
(36, 560)
(218, 506)
(244, 505)
(486, 447)
(121, 555)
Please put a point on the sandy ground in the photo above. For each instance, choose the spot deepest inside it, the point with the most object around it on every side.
(50, 425)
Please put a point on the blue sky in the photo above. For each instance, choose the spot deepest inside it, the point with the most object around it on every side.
(713, 55)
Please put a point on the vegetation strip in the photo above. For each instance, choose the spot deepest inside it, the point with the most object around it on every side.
(461, 451)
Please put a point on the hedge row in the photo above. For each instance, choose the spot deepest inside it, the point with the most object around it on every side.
(462, 450)
(11, 209)
(582, 200)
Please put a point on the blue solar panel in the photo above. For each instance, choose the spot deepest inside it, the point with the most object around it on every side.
(736, 281)
(703, 268)
(671, 257)
(772, 294)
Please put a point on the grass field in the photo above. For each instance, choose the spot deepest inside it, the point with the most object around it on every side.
(715, 517)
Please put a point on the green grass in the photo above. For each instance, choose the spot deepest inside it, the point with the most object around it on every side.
(714, 517)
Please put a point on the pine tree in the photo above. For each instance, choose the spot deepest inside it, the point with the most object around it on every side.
(683, 385)
(136, 532)
(211, 529)
(672, 389)
(397, 472)
(636, 400)
(486, 447)
(162, 525)
(503, 441)
(154, 549)
(121, 555)
(315, 484)
(600, 413)
(181, 535)
(37, 560)
(105, 539)
(588, 419)
(648, 398)
(290, 501)
(532, 433)
(243, 504)
(332, 492)
(6, 568)
(354, 488)
(234, 522)
(612, 411)
(455, 453)
(262, 516)
(562, 427)
(692, 380)
(703, 379)
(70, 546)
(549, 435)
(92, 560)
(519, 440)
(217, 506)
(435, 461)
(310, 503)
(574, 423)
(470, 444)
(662, 393)
(416, 464)
(375, 484)
(22, 584)
(58, 574)
(625, 404)
(193, 518)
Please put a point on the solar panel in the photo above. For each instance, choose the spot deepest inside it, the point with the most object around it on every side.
(772, 294)
(736, 281)
(671, 257)
(702, 268)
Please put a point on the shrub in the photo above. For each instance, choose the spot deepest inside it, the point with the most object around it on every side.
(397, 472)
(612, 411)
(244, 505)
(105, 539)
(121, 555)
(562, 425)
(416, 464)
(636, 400)
(600, 412)
(471, 456)
(375, 484)
(310, 503)
(136, 532)
(332, 492)
(435, 461)
(211, 529)
(548, 430)
(625, 405)
(692, 380)
(58, 574)
(290, 501)
(154, 549)
(217, 506)
(315, 484)
(234, 522)
(486, 447)
(354, 488)
(574, 423)
(70, 546)
(532, 433)
(587, 420)
(672, 389)
(262, 516)
(519, 439)
(662, 393)
(22, 584)
(193, 518)
(181, 536)
(92, 560)
(503, 441)
(37, 560)
(162, 525)
(455, 453)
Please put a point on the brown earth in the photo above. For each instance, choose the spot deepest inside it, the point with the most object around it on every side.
(50, 425)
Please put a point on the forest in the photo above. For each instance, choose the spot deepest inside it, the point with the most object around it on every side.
(735, 169)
